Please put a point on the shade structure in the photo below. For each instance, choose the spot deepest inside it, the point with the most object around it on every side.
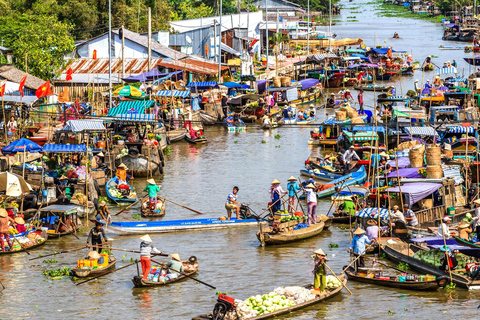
(129, 91)
(83, 125)
(21, 145)
(13, 185)
(65, 148)
(130, 107)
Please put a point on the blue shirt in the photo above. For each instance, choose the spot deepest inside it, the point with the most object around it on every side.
(231, 197)
(358, 243)
(292, 188)
(374, 158)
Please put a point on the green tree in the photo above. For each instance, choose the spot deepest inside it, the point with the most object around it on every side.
(41, 38)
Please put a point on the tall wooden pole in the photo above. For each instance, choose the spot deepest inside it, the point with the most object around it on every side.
(4, 120)
(149, 38)
(123, 52)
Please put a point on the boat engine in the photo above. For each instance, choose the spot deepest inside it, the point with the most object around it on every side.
(223, 305)
(245, 211)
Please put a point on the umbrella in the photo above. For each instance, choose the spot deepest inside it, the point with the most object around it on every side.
(21, 145)
(13, 185)
(129, 91)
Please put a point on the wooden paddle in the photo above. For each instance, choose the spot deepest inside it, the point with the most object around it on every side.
(129, 206)
(178, 204)
(104, 274)
(358, 257)
(343, 285)
(23, 248)
(65, 251)
(186, 275)
(135, 251)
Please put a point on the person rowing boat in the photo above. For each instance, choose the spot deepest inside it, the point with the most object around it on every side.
(95, 236)
(146, 249)
(319, 272)
(152, 190)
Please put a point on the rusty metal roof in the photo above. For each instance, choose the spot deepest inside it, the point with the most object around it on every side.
(91, 66)
(192, 65)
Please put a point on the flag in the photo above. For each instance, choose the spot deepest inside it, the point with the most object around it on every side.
(22, 83)
(44, 90)
(69, 74)
(2, 89)
(94, 54)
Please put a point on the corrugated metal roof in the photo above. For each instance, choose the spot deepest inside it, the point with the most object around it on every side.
(176, 93)
(84, 125)
(89, 66)
(192, 65)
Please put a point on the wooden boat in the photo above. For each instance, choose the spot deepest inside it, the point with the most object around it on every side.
(137, 227)
(428, 67)
(237, 127)
(49, 213)
(322, 175)
(200, 140)
(451, 48)
(84, 272)
(207, 119)
(176, 134)
(119, 199)
(403, 252)
(309, 98)
(336, 80)
(140, 165)
(407, 71)
(373, 88)
(345, 219)
(158, 212)
(466, 243)
(392, 283)
(308, 121)
(190, 268)
(332, 292)
(267, 236)
(36, 245)
(473, 61)
(350, 179)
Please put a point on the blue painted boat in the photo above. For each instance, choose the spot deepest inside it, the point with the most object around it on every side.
(323, 175)
(131, 227)
(233, 126)
(116, 199)
(350, 179)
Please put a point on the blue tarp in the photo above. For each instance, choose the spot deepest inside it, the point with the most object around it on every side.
(231, 85)
(368, 128)
(203, 85)
(382, 51)
(64, 148)
(176, 93)
(373, 213)
(361, 56)
(458, 129)
(21, 145)
(309, 83)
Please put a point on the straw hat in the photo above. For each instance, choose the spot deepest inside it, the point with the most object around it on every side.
(151, 181)
(94, 255)
(347, 90)
(416, 80)
(101, 154)
(372, 222)
(291, 178)
(359, 231)
(176, 257)
(464, 224)
(384, 154)
(102, 204)
(319, 251)
(62, 177)
(311, 105)
(3, 213)
(146, 238)
(196, 128)
(9, 207)
(332, 94)
(352, 147)
(123, 166)
(395, 207)
(468, 215)
(310, 185)
(19, 221)
(315, 130)
(477, 201)
(275, 181)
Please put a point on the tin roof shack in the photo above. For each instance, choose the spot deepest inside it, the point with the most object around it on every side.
(14, 76)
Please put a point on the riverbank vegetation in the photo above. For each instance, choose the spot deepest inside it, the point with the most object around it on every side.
(391, 10)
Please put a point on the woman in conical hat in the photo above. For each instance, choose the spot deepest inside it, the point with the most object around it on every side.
(146, 249)
(292, 188)
(358, 247)
(319, 272)
(276, 193)
(152, 190)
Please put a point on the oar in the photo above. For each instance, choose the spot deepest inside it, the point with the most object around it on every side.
(356, 258)
(181, 205)
(343, 285)
(186, 275)
(129, 206)
(65, 251)
(104, 274)
(23, 248)
(134, 251)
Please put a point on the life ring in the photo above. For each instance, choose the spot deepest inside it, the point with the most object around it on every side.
(442, 281)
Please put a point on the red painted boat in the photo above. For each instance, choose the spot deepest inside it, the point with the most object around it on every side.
(40, 140)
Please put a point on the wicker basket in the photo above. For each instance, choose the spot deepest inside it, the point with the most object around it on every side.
(434, 172)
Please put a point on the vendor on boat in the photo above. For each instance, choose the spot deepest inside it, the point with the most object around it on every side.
(347, 158)
(347, 95)
(396, 215)
(449, 261)
(360, 101)
(319, 272)
(476, 218)
(464, 230)
(443, 229)
(103, 212)
(152, 190)
(293, 188)
(266, 121)
(372, 230)
(331, 101)
(311, 197)
(310, 180)
(95, 237)
(224, 105)
(276, 192)
(410, 216)
(174, 266)
(95, 256)
(121, 174)
(4, 220)
(20, 225)
(233, 204)
(146, 249)
(358, 247)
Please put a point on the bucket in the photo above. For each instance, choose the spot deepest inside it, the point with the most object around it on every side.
(433, 155)
(277, 82)
(434, 172)
(285, 81)
(340, 115)
(45, 194)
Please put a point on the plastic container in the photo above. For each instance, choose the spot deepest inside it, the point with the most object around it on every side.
(402, 278)
(450, 211)
(279, 216)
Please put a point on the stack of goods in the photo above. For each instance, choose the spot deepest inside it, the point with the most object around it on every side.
(26, 241)
(433, 157)
(115, 191)
(416, 156)
(434, 257)
(122, 154)
(146, 205)
(402, 277)
(333, 282)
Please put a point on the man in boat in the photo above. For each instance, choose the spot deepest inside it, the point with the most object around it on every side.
(449, 261)
(443, 229)
(417, 88)
(360, 101)
(372, 229)
(152, 190)
(266, 121)
(464, 230)
(103, 212)
(347, 158)
(4, 220)
(311, 197)
(319, 272)
(233, 204)
(410, 216)
(174, 266)
(292, 187)
(454, 63)
(331, 101)
(95, 237)
(358, 247)
(276, 192)
(224, 105)
(396, 215)
(146, 249)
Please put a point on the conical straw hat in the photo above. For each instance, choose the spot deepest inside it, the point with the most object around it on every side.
(146, 238)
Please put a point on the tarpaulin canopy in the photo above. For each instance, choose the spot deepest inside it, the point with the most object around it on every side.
(64, 148)
(203, 85)
(363, 65)
(421, 131)
(309, 83)
(361, 136)
(84, 125)
(175, 93)
(381, 51)
(232, 85)
(373, 213)
(458, 129)
(135, 117)
(449, 70)
(417, 191)
(405, 173)
(130, 107)
(21, 145)
(368, 128)
(149, 76)
(353, 191)
(361, 56)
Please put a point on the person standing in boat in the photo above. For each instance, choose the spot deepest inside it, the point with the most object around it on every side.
(4, 220)
(276, 193)
(410, 216)
(292, 187)
(224, 105)
(95, 237)
(476, 218)
(233, 204)
(358, 247)
(360, 101)
(152, 190)
(311, 196)
(146, 249)
(347, 159)
(319, 272)
(103, 212)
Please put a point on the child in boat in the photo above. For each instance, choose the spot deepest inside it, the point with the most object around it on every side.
(174, 266)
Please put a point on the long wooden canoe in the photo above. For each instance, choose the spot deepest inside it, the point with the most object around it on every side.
(82, 273)
(36, 245)
(190, 268)
(147, 213)
(299, 306)
(411, 285)
(266, 236)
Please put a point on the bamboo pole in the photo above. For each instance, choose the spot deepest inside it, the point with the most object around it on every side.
(86, 181)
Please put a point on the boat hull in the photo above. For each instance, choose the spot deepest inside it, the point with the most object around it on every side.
(83, 273)
(140, 165)
(118, 199)
(138, 282)
(290, 236)
(321, 175)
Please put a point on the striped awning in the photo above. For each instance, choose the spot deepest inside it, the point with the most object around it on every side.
(130, 107)
(64, 148)
(421, 131)
(373, 213)
(135, 117)
(361, 136)
(203, 84)
(84, 125)
(175, 93)
(458, 129)
(449, 70)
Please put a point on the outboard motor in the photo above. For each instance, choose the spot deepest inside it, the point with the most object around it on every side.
(223, 305)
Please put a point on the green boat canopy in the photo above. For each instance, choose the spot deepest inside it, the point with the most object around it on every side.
(361, 136)
(130, 107)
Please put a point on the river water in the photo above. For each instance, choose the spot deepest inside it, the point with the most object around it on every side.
(232, 260)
